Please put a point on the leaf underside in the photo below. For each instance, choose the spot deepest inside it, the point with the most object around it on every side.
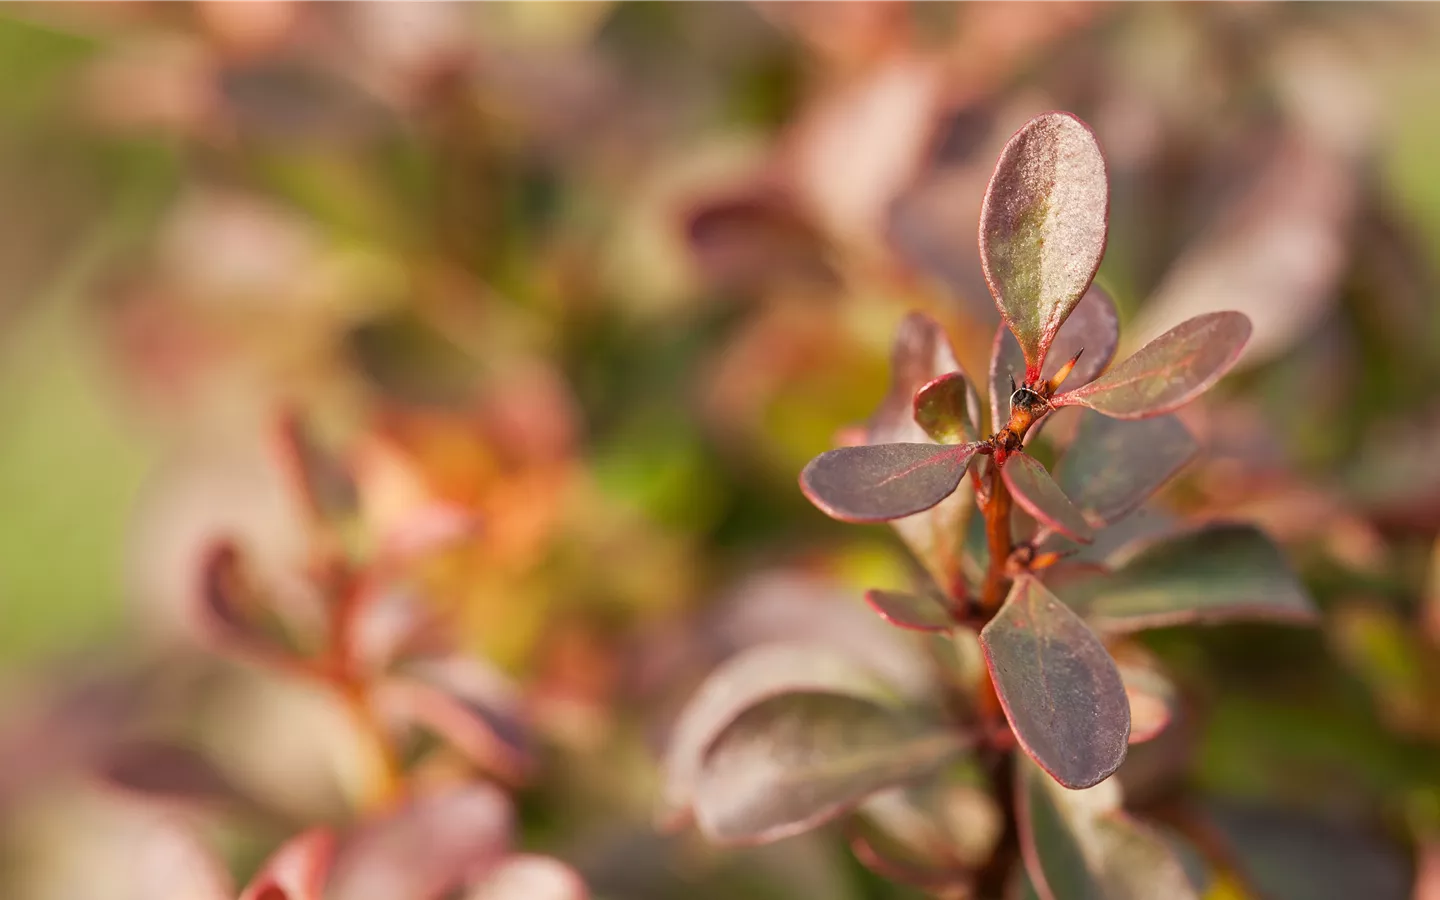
(1168, 372)
(1060, 689)
(1114, 465)
(947, 409)
(1218, 573)
(796, 760)
(1039, 495)
(1043, 228)
(916, 612)
(881, 482)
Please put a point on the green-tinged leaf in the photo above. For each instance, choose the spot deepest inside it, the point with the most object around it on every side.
(794, 761)
(743, 681)
(1061, 691)
(1218, 573)
(1079, 845)
(921, 353)
(1043, 227)
(1039, 495)
(940, 822)
(1094, 327)
(884, 481)
(917, 612)
(1168, 372)
(948, 409)
(1114, 465)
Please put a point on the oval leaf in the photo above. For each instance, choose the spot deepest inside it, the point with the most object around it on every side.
(297, 871)
(797, 760)
(1153, 702)
(914, 611)
(1168, 372)
(1039, 495)
(1094, 327)
(1060, 689)
(1219, 573)
(1081, 844)
(529, 877)
(1042, 228)
(883, 481)
(947, 409)
(743, 681)
(1114, 465)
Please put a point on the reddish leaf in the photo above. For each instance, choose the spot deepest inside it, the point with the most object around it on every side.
(921, 353)
(1060, 689)
(794, 761)
(948, 409)
(163, 859)
(238, 618)
(425, 849)
(529, 877)
(743, 681)
(323, 481)
(172, 772)
(1114, 465)
(1039, 495)
(1219, 573)
(297, 871)
(1043, 227)
(471, 707)
(914, 611)
(884, 481)
(1168, 372)
(1094, 327)
(1152, 696)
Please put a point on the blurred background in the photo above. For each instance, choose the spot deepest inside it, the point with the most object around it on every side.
(596, 280)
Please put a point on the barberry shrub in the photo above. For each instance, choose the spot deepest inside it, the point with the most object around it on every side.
(784, 738)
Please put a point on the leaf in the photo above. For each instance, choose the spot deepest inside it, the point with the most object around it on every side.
(1094, 327)
(1081, 844)
(884, 481)
(1168, 372)
(426, 848)
(1114, 465)
(917, 612)
(297, 871)
(743, 681)
(1218, 573)
(238, 618)
(794, 761)
(1043, 227)
(1152, 697)
(527, 876)
(1039, 495)
(171, 772)
(162, 858)
(474, 709)
(948, 409)
(921, 353)
(1060, 689)
(323, 481)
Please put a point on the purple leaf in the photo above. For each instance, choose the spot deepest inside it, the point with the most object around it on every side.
(743, 681)
(238, 618)
(1039, 495)
(473, 708)
(1114, 465)
(1081, 844)
(425, 849)
(916, 612)
(921, 353)
(1168, 372)
(171, 772)
(797, 760)
(1094, 327)
(948, 409)
(1219, 573)
(884, 481)
(1060, 689)
(1043, 228)
(297, 871)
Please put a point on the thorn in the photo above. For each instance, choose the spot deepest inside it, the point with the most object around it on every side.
(1012, 383)
(1064, 372)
